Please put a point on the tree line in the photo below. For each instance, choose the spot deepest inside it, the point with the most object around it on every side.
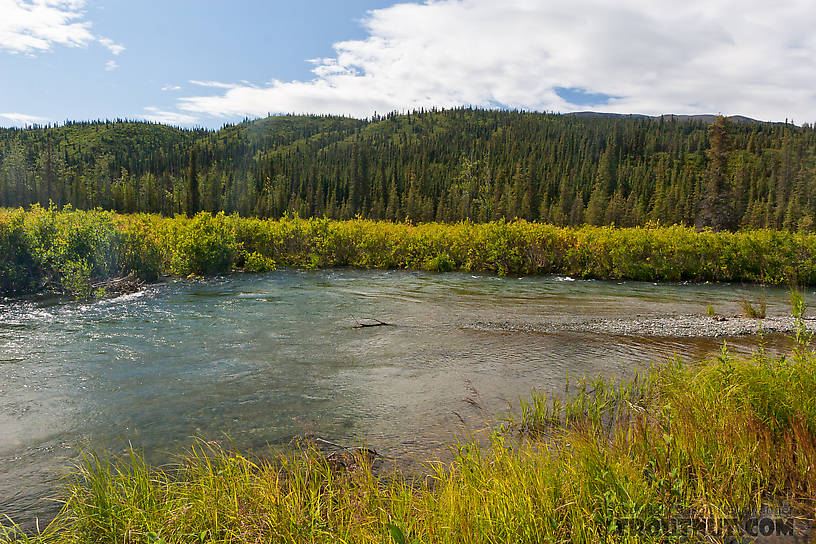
(429, 165)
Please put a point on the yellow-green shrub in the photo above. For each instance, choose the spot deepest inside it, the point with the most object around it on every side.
(39, 243)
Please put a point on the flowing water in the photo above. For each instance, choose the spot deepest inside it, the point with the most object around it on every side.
(261, 359)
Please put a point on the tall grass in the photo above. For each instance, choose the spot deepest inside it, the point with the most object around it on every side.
(707, 441)
(752, 311)
(65, 249)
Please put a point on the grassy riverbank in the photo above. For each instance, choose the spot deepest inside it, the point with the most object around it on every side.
(71, 250)
(610, 462)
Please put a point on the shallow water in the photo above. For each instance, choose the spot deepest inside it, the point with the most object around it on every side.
(265, 358)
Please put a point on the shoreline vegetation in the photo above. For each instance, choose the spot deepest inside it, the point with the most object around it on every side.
(78, 252)
(719, 447)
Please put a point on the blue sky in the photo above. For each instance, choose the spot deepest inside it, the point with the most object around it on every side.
(211, 62)
(168, 44)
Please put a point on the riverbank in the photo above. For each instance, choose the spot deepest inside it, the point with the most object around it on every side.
(70, 250)
(666, 326)
(629, 461)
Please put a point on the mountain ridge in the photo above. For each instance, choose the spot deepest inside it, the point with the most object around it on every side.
(702, 117)
(445, 165)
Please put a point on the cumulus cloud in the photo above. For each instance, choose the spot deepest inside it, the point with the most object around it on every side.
(28, 26)
(31, 26)
(21, 119)
(630, 56)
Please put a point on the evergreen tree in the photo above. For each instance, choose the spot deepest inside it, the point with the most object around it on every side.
(596, 207)
(193, 198)
(716, 210)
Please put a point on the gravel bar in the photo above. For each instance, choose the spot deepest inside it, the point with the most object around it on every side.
(674, 326)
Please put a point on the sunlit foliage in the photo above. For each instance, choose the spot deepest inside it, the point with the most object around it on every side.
(60, 249)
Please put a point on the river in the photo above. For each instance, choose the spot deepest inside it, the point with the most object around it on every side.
(260, 359)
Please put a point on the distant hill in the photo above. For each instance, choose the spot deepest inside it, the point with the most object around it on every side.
(702, 118)
(446, 165)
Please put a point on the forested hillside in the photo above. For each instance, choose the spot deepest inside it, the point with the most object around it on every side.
(431, 165)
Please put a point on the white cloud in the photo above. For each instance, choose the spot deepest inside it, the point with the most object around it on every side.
(654, 56)
(111, 65)
(215, 84)
(22, 119)
(28, 26)
(171, 88)
(157, 115)
(112, 46)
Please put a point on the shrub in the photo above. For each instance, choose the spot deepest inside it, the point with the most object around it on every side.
(205, 244)
(76, 278)
(255, 262)
(71, 246)
(19, 269)
(37, 245)
(141, 251)
(440, 263)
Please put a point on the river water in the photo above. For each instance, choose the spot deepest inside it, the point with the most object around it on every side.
(262, 359)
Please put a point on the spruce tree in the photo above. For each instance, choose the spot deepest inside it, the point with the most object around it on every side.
(193, 198)
(716, 210)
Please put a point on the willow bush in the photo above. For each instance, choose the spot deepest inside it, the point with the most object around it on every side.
(59, 249)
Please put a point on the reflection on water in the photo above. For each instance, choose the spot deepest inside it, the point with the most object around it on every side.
(264, 358)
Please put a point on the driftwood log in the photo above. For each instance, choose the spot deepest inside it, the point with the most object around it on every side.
(349, 458)
(122, 285)
(376, 323)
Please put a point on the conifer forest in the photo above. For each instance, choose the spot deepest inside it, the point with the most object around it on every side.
(423, 166)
